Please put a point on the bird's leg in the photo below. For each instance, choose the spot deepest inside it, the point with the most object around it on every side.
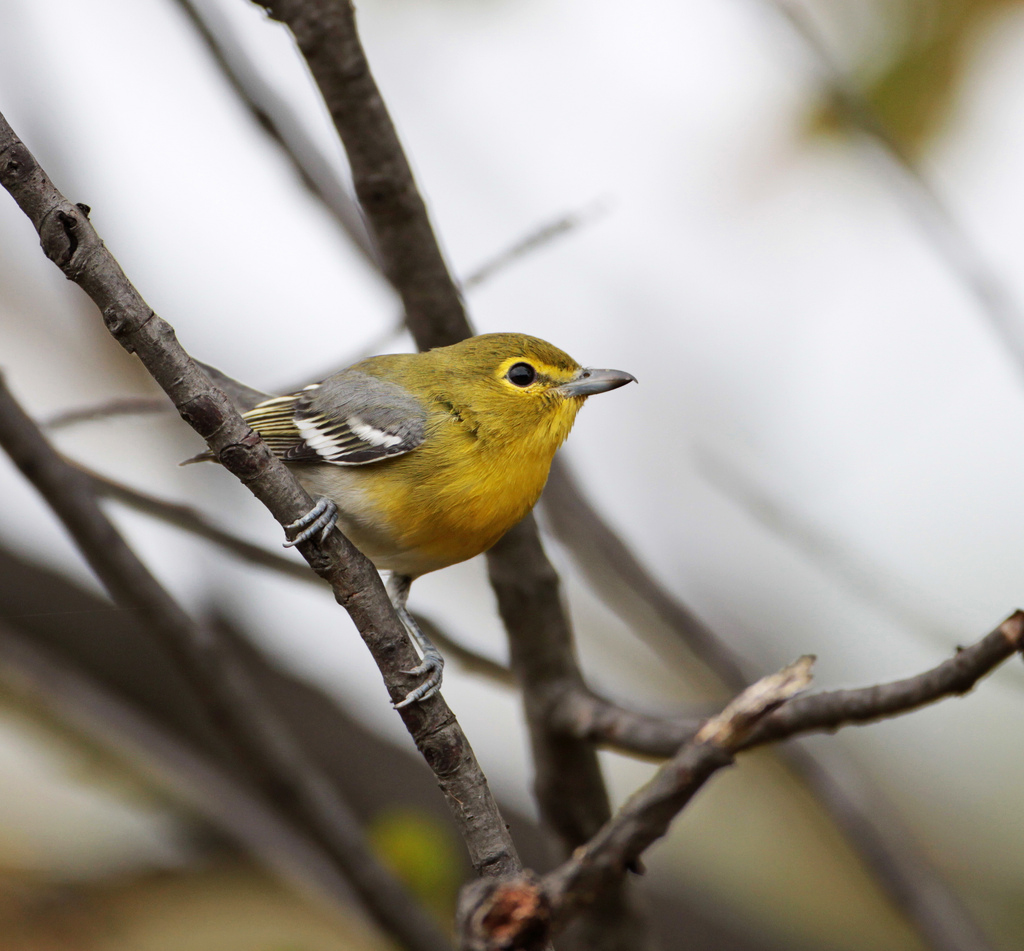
(322, 518)
(433, 662)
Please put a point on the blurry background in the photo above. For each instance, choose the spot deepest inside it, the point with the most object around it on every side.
(823, 454)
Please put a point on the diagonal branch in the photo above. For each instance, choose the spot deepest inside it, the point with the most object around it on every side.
(325, 31)
(266, 750)
(521, 913)
(190, 772)
(647, 814)
(190, 520)
(69, 240)
(276, 117)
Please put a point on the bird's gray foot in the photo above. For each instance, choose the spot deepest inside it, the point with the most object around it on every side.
(322, 518)
(432, 666)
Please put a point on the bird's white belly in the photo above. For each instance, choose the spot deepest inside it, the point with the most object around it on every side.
(360, 520)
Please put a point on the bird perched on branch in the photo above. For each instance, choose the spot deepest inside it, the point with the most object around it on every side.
(426, 459)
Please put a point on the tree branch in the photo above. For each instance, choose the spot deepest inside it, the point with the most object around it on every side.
(277, 118)
(70, 241)
(585, 715)
(197, 776)
(121, 406)
(190, 520)
(325, 31)
(530, 242)
(873, 828)
(265, 748)
(523, 912)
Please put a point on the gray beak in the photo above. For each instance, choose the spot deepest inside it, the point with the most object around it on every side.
(588, 382)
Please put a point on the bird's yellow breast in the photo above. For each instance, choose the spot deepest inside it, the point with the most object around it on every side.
(468, 484)
(452, 497)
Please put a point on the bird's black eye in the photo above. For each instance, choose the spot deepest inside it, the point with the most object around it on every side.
(521, 374)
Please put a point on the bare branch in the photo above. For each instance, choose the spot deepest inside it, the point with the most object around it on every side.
(267, 751)
(619, 578)
(70, 241)
(326, 33)
(567, 779)
(581, 713)
(471, 661)
(521, 913)
(585, 715)
(187, 518)
(646, 815)
(837, 708)
(195, 775)
(823, 552)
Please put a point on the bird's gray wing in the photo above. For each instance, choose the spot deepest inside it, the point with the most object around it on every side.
(350, 419)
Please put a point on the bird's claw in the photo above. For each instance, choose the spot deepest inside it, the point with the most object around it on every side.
(433, 667)
(322, 518)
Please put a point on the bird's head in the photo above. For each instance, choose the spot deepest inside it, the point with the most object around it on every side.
(517, 382)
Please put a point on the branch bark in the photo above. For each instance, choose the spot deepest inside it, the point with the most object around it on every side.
(583, 714)
(522, 913)
(325, 31)
(70, 241)
(263, 745)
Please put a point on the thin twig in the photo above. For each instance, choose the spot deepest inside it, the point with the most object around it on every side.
(470, 660)
(525, 911)
(532, 241)
(619, 578)
(187, 518)
(190, 520)
(123, 406)
(195, 775)
(647, 814)
(954, 677)
(823, 552)
(266, 749)
(69, 240)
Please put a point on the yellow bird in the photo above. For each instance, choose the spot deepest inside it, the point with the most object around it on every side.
(426, 459)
